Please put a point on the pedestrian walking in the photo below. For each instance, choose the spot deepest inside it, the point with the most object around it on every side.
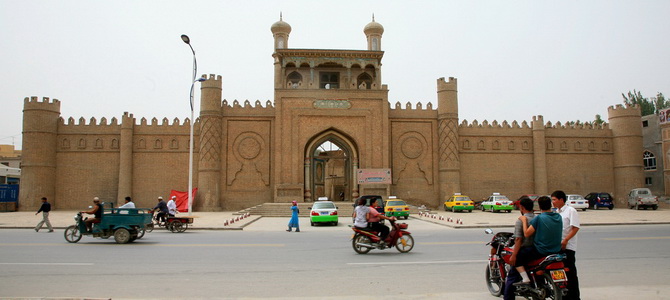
(293, 222)
(44, 209)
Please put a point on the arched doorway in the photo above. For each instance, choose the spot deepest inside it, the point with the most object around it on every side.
(330, 161)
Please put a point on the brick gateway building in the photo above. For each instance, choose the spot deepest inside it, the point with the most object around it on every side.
(330, 117)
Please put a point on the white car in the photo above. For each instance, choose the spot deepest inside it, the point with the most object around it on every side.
(577, 201)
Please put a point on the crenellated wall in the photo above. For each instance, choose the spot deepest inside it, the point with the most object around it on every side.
(503, 157)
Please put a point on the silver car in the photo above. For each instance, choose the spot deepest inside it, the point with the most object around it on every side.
(642, 198)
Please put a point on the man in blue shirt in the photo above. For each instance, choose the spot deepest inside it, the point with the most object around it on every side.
(546, 230)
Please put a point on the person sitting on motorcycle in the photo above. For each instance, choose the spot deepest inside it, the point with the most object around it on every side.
(546, 230)
(520, 243)
(373, 220)
(361, 213)
(162, 210)
(96, 211)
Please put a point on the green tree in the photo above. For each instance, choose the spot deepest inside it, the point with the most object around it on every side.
(636, 98)
(660, 102)
(598, 121)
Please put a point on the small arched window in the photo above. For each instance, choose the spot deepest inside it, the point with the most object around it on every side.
(364, 81)
(649, 160)
(294, 79)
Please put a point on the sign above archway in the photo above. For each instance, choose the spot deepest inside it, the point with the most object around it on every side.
(374, 176)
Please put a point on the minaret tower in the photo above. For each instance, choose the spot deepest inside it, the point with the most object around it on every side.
(280, 31)
(373, 32)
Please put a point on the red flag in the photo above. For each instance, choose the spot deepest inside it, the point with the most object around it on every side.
(182, 199)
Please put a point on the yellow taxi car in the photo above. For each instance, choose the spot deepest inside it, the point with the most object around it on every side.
(459, 202)
(394, 207)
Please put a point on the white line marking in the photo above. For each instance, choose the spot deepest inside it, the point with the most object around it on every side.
(422, 262)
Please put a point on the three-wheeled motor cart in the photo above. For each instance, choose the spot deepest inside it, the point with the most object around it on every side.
(125, 224)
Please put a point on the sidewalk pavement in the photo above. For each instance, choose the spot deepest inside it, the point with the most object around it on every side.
(476, 219)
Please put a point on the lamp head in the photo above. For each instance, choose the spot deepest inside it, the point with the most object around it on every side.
(185, 39)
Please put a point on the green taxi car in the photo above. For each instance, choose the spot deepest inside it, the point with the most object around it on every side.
(323, 212)
(459, 202)
(497, 203)
(394, 207)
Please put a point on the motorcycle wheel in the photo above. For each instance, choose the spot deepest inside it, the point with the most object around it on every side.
(122, 236)
(405, 243)
(149, 227)
(493, 280)
(72, 234)
(551, 289)
(140, 233)
(359, 238)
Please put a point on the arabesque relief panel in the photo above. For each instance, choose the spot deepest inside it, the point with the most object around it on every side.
(248, 155)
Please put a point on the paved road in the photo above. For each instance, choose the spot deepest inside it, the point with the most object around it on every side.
(615, 262)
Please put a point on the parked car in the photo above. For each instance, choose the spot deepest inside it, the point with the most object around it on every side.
(323, 212)
(598, 200)
(459, 202)
(496, 203)
(368, 198)
(531, 196)
(642, 198)
(394, 207)
(577, 201)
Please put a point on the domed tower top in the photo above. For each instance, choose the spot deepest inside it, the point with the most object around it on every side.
(280, 31)
(373, 32)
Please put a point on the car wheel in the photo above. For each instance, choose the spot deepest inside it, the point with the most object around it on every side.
(470, 210)
(311, 223)
(335, 223)
(655, 207)
(445, 208)
(611, 207)
(483, 209)
(453, 209)
(406, 217)
(583, 209)
(637, 207)
(492, 210)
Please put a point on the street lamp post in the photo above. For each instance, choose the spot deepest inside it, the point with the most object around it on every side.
(190, 142)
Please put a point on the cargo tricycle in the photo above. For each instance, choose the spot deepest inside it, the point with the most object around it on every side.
(125, 224)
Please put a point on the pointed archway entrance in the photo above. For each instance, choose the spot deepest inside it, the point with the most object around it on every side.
(331, 159)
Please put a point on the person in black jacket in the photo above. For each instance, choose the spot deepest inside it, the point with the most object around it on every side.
(44, 209)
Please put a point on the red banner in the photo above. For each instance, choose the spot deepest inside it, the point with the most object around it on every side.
(182, 199)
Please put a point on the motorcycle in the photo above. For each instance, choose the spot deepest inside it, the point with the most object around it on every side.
(365, 240)
(547, 275)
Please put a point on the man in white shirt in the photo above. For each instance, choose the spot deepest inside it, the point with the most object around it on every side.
(569, 241)
(172, 206)
(129, 204)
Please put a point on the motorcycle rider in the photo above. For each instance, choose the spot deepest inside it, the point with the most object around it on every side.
(547, 229)
(373, 220)
(96, 211)
(520, 242)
